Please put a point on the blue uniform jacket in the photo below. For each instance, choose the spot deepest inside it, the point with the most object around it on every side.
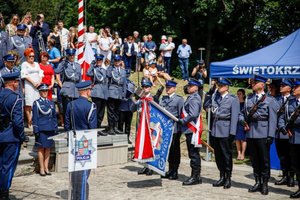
(292, 105)
(100, 81)
(225, 112)
(117, 79)
(12, 109)
(84, 115)
(264, 119)
(20, 44)
(173, 105)
(192, 106)
(70, 74)
(43, 116)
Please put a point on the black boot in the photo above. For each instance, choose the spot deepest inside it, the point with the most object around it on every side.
(117, 131)
(194, 179)
(101, 133)
(142, 171)
(265, 188)
(221, 181)
(174, 175)
(4, 195)
(227, 183)
(168, 174)
(283, 180)
(111, 131)
(291, 179)
(257, 186)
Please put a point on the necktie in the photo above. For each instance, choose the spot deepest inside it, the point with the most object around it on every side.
(256, 98)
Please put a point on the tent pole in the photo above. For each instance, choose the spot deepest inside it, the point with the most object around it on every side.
(208, 153)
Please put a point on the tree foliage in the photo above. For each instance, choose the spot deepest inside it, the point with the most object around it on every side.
(226, 28)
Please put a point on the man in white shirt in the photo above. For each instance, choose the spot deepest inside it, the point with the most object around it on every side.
(91, 37)
(167, 53)
(64, 35)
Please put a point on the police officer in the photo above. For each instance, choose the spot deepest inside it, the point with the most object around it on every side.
(191, 111)
(225, 109)
(173, 103)
(81, 115)
(11, 130)
(68, 73)
(5, 44)
(100, 90)
(9, 67)
(292, 115)
(126, 114)
(116, 80)
(20, 42)
(44, 126)
(260, 120)
(281, 140)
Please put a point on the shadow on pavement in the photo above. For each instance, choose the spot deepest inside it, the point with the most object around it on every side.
(145, 183)
(62, 194)
(132, 168)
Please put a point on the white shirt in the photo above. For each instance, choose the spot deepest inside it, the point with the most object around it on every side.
(64, 37)
(169, 46)
(91, 36)
(105, 42)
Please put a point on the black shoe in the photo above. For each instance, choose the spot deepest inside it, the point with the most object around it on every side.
(227, 182)
(149, 172)
(48, 173)
(42, 174)
(282, 181)
(291, 180)
(265, 188)
(111, 132)
(4, 195)
(295, 195)
(142, 171)
(101, 133)
(193, 180)
(173, 176)
(168, 173)
(256, 187)
(219, 182)
(117, 131)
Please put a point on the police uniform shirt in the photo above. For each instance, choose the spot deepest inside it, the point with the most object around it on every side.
(12, 111)
(192, 107)
(173, 104)
(20, 43)
(225, 111)
(293, 104)
(100, 81)
(43, 115)
(264, 120)
(117, 78)
(5, 44)
(70, 75)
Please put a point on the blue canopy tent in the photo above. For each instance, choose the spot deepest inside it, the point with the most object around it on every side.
(278, 60)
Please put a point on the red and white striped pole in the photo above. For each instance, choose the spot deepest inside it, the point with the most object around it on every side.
(80, 45)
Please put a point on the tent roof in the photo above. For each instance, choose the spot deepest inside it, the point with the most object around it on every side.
(278, 60)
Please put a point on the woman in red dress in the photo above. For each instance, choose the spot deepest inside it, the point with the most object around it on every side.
(48, 73)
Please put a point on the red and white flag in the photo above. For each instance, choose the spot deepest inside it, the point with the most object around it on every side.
(88, 57)
(143, 151)
(195, 128)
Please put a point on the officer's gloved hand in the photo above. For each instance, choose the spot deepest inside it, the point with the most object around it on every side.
(180, 121)
(231, 138)
(269, 140)
(283, 131)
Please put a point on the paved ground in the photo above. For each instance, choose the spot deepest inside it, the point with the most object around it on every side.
(122, 182)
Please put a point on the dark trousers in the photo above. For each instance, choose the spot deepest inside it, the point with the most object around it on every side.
(80, 186)
(9, 155)
(167, 61)
(223, 153)
(194, 154)
(36, 53)
(259, 153)
(125, 118)
(283, 151)
(174, 154)
(113, 111)
(100, 104)
(128, 62)
(65, 101)
(295, 149)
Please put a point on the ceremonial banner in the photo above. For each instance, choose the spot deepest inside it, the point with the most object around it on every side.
(161, 127)
(82, 150)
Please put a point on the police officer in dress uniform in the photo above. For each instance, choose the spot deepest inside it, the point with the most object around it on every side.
(173, 103)
(81, 114)
(9, 67)
(68, 73)
(225, 109)
(11, 130)
(136, 106)
(126, 114)
(20, 42)
(293, 132)
(5, 44)
(192, 107)
(44, 126)
(261, 128)
(281, 140)
(100, 89)
(116, 80)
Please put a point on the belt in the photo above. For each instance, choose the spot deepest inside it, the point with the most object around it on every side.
(258, 119)
(222, 119)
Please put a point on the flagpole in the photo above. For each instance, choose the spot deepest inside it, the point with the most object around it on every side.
(80, 45)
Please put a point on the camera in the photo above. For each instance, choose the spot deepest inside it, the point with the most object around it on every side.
(38, 18)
